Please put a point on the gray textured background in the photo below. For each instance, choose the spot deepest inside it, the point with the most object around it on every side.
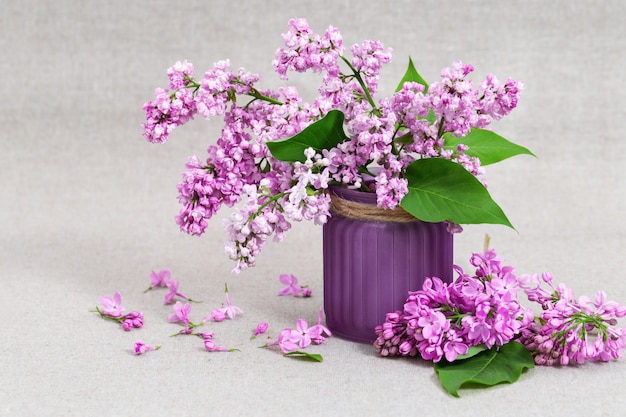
(87, 206)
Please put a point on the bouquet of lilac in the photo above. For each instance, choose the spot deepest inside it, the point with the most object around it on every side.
(423, 148)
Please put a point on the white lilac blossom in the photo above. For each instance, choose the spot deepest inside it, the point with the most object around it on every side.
(386, 134)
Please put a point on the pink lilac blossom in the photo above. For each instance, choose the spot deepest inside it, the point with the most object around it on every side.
(269, 209)
(112, 310)
(210, 345)
(180, 314)
(261, 328)
(369, 57)
(291, 285)
(141, 348)
(306, 50)
(172, 286)
(112, 306)
(570, 330)
(132, 320)
(229, 311)
(290, 340)
(159, 279)
(444, 320)
(388, 133)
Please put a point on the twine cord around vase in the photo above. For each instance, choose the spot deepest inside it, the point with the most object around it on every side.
(370, 212)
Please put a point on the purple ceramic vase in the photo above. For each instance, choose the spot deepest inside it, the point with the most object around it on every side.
(370, 266)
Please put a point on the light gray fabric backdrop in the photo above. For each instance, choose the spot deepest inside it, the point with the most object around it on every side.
(87, 206)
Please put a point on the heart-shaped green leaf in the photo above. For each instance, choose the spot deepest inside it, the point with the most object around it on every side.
(486, 145)
(411, 75)
(325, 133)
(487, 368)
(440, 190)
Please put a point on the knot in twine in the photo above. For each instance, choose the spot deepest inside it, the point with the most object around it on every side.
(368, 212)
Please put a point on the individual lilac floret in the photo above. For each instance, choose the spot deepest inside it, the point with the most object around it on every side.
(291, 285)
(172, 286)
(229, 311)
(261, 328)
(290, 340)
(141, 348)
(112, 306)
(159, 279)
(210, 345)
(180, 314)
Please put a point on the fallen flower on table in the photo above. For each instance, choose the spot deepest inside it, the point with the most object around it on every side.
(211, 346)
(261, 328)
(159, 279)
(292, 287)
(172, 286)
(112, 310)
(291, 340)
(112, 307)
(141, 347)
(181, 315)
(229, 310)
(291, 284)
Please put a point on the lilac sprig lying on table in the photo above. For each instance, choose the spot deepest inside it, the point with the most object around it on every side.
(445, 320)
(112, 309)
(570, 330)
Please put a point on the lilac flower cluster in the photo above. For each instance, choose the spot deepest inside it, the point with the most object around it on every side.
(570, 330)
(112, 309)
(387, 134)
(444, 320)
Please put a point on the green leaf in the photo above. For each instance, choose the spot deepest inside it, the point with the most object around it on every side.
(411, 75)
(472, 351)
(325, 133)
(298, 354)
(486, 145)
(488, 368)
(440, 190)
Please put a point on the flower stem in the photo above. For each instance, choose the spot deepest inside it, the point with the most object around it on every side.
(358, 77)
